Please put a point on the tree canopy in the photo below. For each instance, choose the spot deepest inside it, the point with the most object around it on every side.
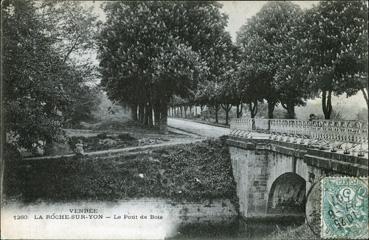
(151, 51)
(39, 87)
(289, 55)
(336, 46)
(263, 45)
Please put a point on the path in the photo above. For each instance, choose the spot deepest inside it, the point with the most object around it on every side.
(197, 132)
(121, 151)
(201, 129)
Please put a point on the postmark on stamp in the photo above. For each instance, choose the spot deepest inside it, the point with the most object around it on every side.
(344, 208)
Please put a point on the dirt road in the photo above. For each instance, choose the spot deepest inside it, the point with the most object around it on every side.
(201, 129)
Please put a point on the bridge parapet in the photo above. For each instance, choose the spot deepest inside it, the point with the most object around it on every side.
(350, 137)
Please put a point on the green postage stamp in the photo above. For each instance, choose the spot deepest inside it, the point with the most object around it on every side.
(344, 208)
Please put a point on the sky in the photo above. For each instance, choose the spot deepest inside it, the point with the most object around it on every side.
(239, 11)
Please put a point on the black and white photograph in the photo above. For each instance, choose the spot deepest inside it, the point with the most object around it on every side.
(184, 119)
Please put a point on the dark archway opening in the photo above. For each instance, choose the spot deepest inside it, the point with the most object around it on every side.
(287, 195)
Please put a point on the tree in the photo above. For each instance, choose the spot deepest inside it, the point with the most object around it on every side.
(261, 40)
(250, 85)
(72, 26)
(84, 101)
(209, 92)
(228, 95)
(32, 96)
(336, 44)
(290, 78)
(229, 90)
(151, 51)
(40, 87)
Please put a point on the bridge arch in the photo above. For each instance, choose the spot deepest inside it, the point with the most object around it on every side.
(287, 195)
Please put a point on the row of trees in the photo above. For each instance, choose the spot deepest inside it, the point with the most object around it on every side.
(44, 86)
(179, 54)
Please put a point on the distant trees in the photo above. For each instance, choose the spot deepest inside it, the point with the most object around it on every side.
(39, 87)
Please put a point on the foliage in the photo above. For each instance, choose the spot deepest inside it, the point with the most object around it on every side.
(290, 78)
(84, 101)
(289, 55)
(39, 86)
(151, 51)
(336, 43)
(32, 70)
(263, 45)
(103, 142)
(71, 26)
(192, 172)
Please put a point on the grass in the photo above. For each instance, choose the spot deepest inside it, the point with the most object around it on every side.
(183, 173)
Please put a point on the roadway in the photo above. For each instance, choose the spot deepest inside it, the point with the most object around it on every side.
(200, 129)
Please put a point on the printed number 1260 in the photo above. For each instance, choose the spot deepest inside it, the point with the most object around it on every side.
(20, 217)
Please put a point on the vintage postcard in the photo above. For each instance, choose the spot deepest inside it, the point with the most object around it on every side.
(184, 119)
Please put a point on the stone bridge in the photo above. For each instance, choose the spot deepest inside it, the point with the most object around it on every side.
(275, 162)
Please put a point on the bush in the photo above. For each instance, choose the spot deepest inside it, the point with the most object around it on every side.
(126, 137)
(192, 172)
(102, 135)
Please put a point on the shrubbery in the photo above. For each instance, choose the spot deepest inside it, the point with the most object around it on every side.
(191, 172)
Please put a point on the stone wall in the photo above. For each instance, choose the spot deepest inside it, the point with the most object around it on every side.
(250, 173)
(255, 171)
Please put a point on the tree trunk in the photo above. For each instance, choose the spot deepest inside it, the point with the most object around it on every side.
(239, 110)
(216, 108)
(163, 127)
(201, 110)
(291, 111)
(181, 111)
(141, 115)
(157, 116)
(253, 107)
(148, 115)
(271, 106)
(290, 107)
(227, 108)
(150, 122)
(134, 112)
(327, 104)
(196, 111)
(185, 111)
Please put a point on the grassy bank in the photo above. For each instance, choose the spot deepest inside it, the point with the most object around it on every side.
(183, 173)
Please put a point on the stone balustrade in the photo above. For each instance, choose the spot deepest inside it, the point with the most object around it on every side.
(348, 136)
